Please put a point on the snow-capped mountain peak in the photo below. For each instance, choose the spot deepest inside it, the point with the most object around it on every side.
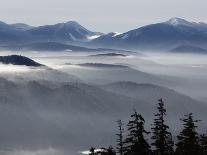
(178, 21)
(182, 22)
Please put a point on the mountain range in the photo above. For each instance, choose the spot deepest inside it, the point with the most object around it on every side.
(61, 32)
(160, 36)
(164, 36)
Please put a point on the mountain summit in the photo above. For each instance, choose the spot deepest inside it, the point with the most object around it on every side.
(62, 32)
(178, 21)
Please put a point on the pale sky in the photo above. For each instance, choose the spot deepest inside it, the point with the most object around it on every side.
(101, 15)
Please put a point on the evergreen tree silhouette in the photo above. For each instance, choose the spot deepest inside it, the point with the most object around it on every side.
(120, 138)
(188, 140)
(135, 142)
(110, 151)
(203, 144)
(106, 151)
(170, 145)
(92, 151)
(162, 138)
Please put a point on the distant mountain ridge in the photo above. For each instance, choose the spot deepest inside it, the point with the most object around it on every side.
(101, 65)
(159, 36)
(62, 32)
(109, 54)
(56, 46)
(69, 31)
(189, 49)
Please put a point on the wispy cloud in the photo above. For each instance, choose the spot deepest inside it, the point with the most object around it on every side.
(49, 151)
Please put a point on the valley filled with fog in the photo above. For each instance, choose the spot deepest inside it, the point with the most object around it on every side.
(73, 99)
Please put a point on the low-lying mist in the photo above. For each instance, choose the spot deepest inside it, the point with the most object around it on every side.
(49, 151)
(64, 108)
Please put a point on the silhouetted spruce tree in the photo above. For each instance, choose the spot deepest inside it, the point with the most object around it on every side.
(135, 142)
(120, 138)
(203, 144)
(92, 151)
(170, 145)
(188, 140)
(106, 151)
(161, 136)
(111, 151)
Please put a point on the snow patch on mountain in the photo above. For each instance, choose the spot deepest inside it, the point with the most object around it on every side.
(93, 37)
(178, 21)
(116, 34)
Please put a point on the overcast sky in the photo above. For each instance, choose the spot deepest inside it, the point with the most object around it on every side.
(101, 15)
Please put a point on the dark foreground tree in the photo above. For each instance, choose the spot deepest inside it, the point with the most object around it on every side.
(120, 138)
(170, 144)
(162, 138)
(106, 151)
(111, 151)
(188, 140)
(135, 142)
(203, 144)
(92, 151)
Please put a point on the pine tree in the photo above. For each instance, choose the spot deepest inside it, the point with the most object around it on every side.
(120, 140)
(135, 142)
(110, 151)
(170, 145)
(106, 151)
(92, 151)
(203, 144)
(188, 140)
(161, 136)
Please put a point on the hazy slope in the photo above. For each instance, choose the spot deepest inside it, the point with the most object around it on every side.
(53, 115)
(100, 73)
(49, 114)
(189, 49)
(150, 93)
